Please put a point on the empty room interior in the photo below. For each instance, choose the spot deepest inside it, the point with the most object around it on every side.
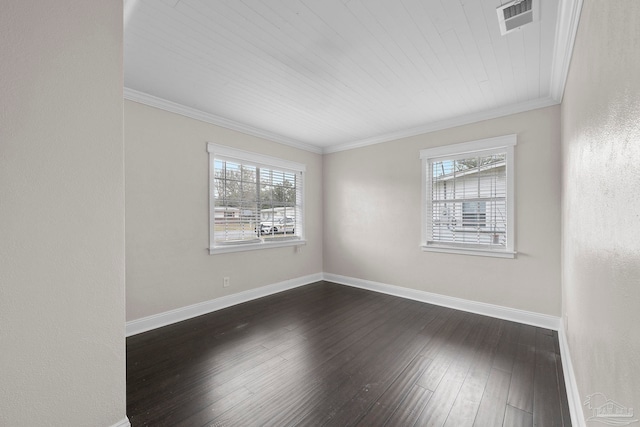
(320, 212)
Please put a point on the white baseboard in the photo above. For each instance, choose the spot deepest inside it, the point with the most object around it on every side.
(521, 316)
(144, 324)
(173, 316)
(573, 395)
(500, 312)
(122, 423)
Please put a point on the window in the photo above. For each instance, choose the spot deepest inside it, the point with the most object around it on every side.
(468, 203)
(255, 201)
(474, 214)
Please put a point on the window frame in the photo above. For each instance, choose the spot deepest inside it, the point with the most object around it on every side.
(225, 153)
(501, 144)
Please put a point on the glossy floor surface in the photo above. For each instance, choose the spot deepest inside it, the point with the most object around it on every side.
(326, 354)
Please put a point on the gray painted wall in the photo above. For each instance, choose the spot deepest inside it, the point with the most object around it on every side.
(167, 229)
(372, 211)
(62, 357)
(601, 202)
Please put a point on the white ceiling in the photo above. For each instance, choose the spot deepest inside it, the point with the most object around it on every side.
(326, 75)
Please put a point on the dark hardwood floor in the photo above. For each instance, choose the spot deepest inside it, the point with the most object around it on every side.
(326, 354)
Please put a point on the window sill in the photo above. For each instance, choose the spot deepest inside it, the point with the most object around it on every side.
(469, 251)
(242, 247)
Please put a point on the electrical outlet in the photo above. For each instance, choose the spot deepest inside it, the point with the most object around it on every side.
(226, 282)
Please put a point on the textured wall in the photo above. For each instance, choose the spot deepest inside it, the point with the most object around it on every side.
(62, 357)
(372, 211)
(167, 215)
(601, 202)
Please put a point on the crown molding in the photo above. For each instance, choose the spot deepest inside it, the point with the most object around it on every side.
(566, 29)
(174, 107)
(446, 124)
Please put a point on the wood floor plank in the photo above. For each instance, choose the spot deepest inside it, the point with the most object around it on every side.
(320, 350)
(327, 354)
(370, 373)
(491, 411)
(410, 409)
(205, 415)
(266, 406)
(506, 351)
(439, 335)
(464, 410)
(389, 402)
(201, 378)
(203, 395)
(439, 406)
(214, 324)
(546, 398)
(178, 350)
(521, 387)
(562, 390)
(443, 349)
(380, 372)
(515, 417)
(510, 331)
(322, 379)
(527, 335)
(445, 394)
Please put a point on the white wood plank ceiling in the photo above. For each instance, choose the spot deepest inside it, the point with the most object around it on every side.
(333, 74)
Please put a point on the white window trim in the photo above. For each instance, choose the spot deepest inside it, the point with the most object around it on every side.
(505, 143)
(223, 152)
(255, 246)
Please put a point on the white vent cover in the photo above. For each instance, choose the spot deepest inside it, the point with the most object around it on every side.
(515, 14)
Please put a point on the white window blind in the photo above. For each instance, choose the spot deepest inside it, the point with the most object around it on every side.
(468, 190)
(256, 201)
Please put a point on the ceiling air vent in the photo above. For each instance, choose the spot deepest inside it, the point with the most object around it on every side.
(515, 14)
